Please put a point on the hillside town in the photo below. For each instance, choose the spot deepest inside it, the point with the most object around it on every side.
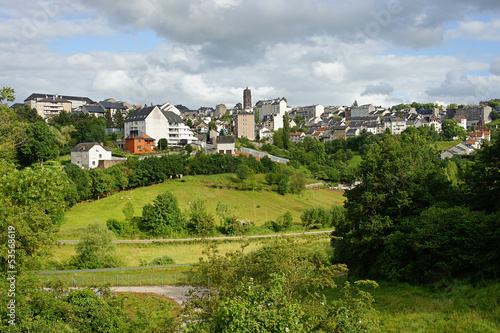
(142, 129)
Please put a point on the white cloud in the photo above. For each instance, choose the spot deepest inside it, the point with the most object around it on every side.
(476, 30)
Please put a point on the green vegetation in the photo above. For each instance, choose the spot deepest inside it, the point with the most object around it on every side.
(262, 205)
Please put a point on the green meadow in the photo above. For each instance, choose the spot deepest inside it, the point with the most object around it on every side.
(258, 206)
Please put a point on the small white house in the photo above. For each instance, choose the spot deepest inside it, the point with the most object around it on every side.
(88, 154)
(225, 145)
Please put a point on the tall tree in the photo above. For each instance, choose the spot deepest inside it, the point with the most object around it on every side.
(118, 120)
(286, 131)
(109, 119)
(40, 144)
(400, 177)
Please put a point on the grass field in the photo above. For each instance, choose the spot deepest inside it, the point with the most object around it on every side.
(442, 145)
(456, 307)
(257, 206)
(133, 253)
(355, 160)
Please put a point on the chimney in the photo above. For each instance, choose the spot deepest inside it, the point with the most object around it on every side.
(101, 144)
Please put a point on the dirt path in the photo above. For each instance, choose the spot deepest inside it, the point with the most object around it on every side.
(177, 293)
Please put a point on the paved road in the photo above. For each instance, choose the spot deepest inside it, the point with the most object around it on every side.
(74, 241)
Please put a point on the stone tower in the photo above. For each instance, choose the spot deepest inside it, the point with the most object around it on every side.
(247, 99)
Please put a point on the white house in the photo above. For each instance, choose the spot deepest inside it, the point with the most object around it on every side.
(274, 106)
(225, 145)
(159, 124)
(88, 154)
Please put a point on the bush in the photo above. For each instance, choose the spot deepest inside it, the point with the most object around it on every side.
(95, 249)
(233, 226)
(161, 261)
(282, 223)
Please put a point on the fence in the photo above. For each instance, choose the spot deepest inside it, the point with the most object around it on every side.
(146, 279)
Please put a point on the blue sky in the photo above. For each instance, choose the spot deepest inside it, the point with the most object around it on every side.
(205, 52)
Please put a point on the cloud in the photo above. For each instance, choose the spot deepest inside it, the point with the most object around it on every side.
(495, 66)
(456, 84)
(476, 30)
(378, 89)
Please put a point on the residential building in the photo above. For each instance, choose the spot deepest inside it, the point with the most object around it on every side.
(272, 121)
(461, 121)
(160, 124)
(362, 110)
(309, 112)
(75, 101)
(138, 142)
(339, 132)
(478, 115)
(296, 137)
(244, 125)
(272, 106)
(225, 145)
(88, 154)
(49, 107)
(395, 124)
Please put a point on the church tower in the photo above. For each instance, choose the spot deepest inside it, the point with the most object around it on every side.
(247, 99)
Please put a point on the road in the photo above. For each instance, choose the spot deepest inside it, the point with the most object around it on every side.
(75, 241)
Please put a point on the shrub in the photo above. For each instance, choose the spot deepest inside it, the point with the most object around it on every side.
(95, 249)
(161, 261)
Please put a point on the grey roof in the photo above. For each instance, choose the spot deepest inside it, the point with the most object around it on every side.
(172, 117)
(86, 146)
(143, 113)
(113, 105)
(225, 139)
(140, 114)
(92, 109)
(72, 98)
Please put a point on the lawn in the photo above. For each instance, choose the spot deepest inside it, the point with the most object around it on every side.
(442, 145)
(257, 206)
(355, 160)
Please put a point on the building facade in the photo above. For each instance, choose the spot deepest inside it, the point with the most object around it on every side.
(244, 125)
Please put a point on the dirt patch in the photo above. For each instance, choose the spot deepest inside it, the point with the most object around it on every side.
(177, 293)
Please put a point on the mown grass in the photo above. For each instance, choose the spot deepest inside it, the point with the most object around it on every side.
(133, 254)
(355, 160)
(256, 206)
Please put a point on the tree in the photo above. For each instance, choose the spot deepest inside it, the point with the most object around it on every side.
(243, 171)
(453, 106)
(128, 211)
(400, 177)
(452, 129)
(201, 222)
(12, 132)
(189, 149)
(28, 114)
(286, 131)
(163, 144)
(109, 119)
(162, 216)
(494, 115)
(81, 180)
(7, 94)
(40, 144)
(118, 120)
(95, 248)
(355, 104)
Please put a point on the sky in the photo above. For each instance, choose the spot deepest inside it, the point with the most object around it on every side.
(205, 52)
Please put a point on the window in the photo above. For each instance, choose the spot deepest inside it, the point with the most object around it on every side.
(100, 156)
(139, 141)
(139, 147)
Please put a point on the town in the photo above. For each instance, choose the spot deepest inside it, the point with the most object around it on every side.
(143, 129)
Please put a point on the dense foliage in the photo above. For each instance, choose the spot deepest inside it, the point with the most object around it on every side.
(407, 221)
(279, 288)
